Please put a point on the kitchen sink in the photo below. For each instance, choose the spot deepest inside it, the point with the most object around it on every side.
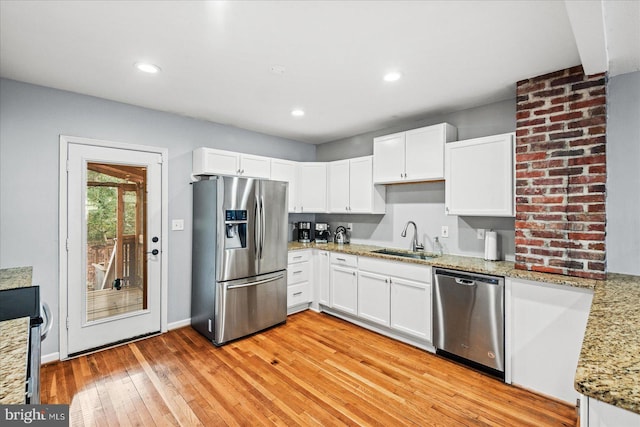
(405, 254)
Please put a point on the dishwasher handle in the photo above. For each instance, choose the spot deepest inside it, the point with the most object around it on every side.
(465, 282)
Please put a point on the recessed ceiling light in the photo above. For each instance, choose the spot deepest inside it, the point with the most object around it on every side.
(147, 68)
(297, 112)
(392, 76)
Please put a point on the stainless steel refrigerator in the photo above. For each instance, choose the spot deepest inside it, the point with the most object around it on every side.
(239, 257)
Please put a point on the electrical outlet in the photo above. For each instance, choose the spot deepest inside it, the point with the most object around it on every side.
(444, 231)
(350, 226)
(177, 225)
(480, 234)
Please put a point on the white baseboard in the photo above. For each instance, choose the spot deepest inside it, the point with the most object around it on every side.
(179, 324)
(48, 358)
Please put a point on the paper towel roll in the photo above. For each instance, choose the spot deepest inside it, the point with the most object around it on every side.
(491, 246)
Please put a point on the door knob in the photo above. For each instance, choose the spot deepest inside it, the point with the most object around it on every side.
(154, 252)
(155, 239)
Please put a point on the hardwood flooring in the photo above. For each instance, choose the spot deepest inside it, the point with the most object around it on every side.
(314, 370)
(111, 302)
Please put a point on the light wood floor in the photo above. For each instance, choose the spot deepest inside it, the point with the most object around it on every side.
(103, 303)
(314, 370)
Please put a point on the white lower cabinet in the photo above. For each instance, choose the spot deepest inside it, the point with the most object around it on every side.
(344, 283)
(321, 277)
(373, 297)
(594, 413)
(547, 323)
(299, 291)
(411, 307)
(397, 295)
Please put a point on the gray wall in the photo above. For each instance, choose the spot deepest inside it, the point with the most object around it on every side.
(31, 120)
(623, 174)
(423, 203)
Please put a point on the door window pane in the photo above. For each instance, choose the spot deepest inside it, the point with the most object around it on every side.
(115, 231)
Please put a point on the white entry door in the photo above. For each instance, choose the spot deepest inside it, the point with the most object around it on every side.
(113, 246)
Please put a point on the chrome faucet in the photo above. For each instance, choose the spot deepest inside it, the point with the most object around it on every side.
(415, 246)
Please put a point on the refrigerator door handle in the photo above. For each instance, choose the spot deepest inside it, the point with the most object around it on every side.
(259, 282)
(256, 230)
(263, 225)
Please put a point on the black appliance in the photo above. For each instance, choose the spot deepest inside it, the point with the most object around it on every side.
(322, 234)
(304, 232)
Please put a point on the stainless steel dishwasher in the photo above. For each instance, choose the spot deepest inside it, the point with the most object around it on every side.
(468, 319)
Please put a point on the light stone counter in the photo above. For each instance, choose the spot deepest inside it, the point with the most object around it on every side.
(609, 365)
(14, 342)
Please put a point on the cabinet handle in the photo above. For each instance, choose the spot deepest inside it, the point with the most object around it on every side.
(297, 272)
(405, 174)
(354, 273)
(341, 259)
(386, 280)
(242, 171)
(297, 257)
(400, 175)
(295, 294)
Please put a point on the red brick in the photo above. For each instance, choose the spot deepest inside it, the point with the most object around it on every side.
(548, 217)
(548, 76)
(546, 129)
(547, 164)
(598, 92)
(532, 122)
(547, 200)
(522, 148)
(546, 234)
(548, 93)
(587, 179)
(597, 169)
(567, 244)
(566, 80)
(587, 84)
(566, 99)
(546, 269)
(597, 130)
(530, 191)
(598, 149)
(597, 246)
(567, 153)
(588, 103)
(598, 111)
(547, 111)
(528, 260)
(596, 266)
(598, 188)
(588, 160)
(596, 227)
(586, 236)
(523, 132)
(522, 115)
(529, 242)
(566, 135)
(530, 139)
(591, 121)
(530, 208)
(565, 171)
(547, 252)
(594, 140)
(530, 105)
(548, 181)
(522, 250)
(601, 207)
(530, 156)
(526, 86)
(589, 198)
(587, 217)
(566, 263)
(530, 174)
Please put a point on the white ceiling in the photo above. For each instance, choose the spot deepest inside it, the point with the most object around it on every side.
(216, 57)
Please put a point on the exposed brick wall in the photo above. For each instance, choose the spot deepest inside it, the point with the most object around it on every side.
(561, 174)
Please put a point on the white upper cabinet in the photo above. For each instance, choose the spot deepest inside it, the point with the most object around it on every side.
(479, 176)
(210, 161)
(287, 171)
(351, 188)
(411, 156)
(312, 187)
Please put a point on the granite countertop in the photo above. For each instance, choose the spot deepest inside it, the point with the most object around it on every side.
(609, 364)
(14, 345)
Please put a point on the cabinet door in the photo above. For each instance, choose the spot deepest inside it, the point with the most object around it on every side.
(255, 166)
(287, 171)
(208, 161)
(312, 190)
(338, 177)
(480, 177)
(388, 158)
(424, 153)
(344, 289)
(411, 307)
(361, 185)
(373, 297)
(321, 278)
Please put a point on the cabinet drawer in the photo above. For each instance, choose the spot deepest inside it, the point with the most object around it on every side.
(298, 272)
(344, 259)
(298, 294)
(298, 256)
(406, 270)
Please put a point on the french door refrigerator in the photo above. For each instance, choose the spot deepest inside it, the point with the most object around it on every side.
(239, 257)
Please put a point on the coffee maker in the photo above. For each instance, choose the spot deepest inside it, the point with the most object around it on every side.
(304, 232)
(323, 235)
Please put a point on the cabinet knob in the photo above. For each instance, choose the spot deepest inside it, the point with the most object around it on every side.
(405, 174)
(401, 175)
(386, 280)
(354, 273)
(242, 171)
